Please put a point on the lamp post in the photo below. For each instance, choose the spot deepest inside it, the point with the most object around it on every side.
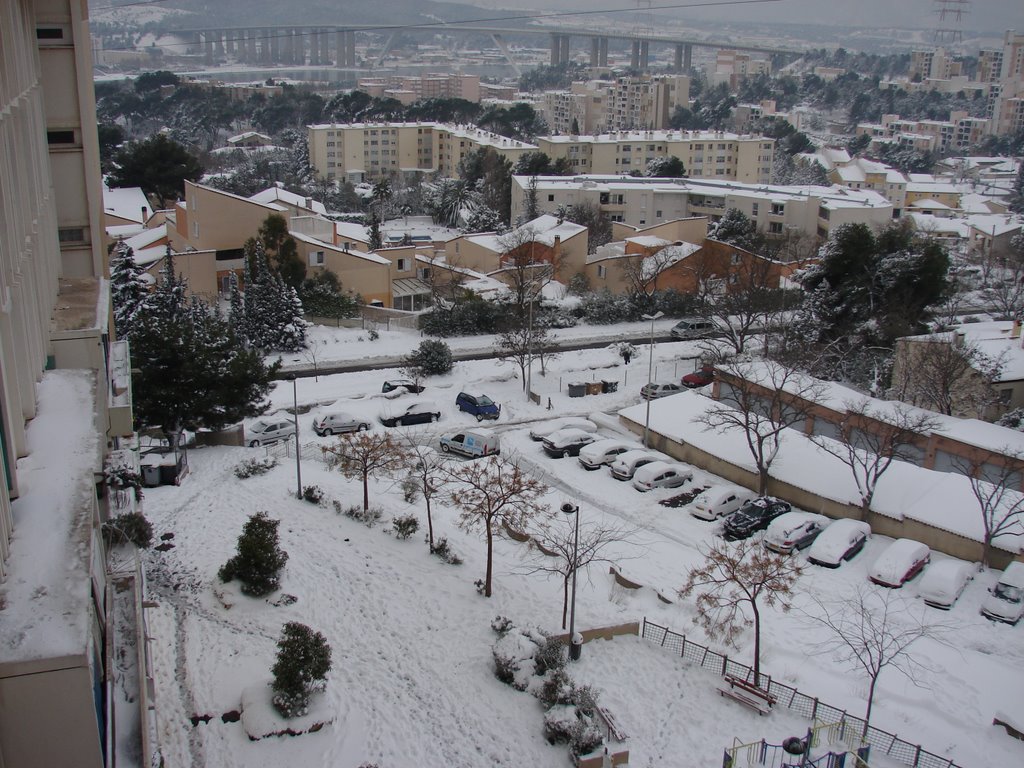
(650, 373)
(298, 447)
(575, 645)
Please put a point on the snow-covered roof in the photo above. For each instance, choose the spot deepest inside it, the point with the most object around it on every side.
(939, 225)
(972, 202)
(994, 224)
(667, 257)
(930, 204)
(347, 230)
(544, 229)
(933, 188)
(662, 135)
(126, 203)
(371, 257)
(247, 135)
(648, 241)
(278, 193)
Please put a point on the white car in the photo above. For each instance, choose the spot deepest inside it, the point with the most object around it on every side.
(944, 581)
(657, 389)
(567, 441)
(793, 530)
(269, 431)
(1006, 603)
(545, 428)
(661, 474)
(338, 423)
(842, 540)
(719, 501)
(899, 563)
(628, 462)
(596, 455)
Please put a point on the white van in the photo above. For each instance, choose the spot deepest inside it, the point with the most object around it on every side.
(1006, 603)
(719, 501)
(472, 442)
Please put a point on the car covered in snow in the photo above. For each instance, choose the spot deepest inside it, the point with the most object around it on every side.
(842, 540)
(601, 452)
(754, 516)
(539, 431)
(1006, 601)
(338, 423)
(793, 531)
(944, 582)
(719, 501)
(399, 386)
(661, 474)
(567, 442)
(419, 412)
(627, 463)
(269, 431)
(656, 389)
(901, 561)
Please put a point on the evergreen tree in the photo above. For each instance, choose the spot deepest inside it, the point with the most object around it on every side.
(258, 559)
(303, 661)
(236, 312)
(531, 210)
(736, 228)
(322, 297)
(281, 250)
(127, 293)
(375, 240)
(159, 165)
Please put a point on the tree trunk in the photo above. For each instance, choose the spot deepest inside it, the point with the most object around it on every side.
(757, 644)
(871, 701)
(430, 525)
(865, 507)
(366, 490)
(490, 552)
(762, 481)
(986, 551)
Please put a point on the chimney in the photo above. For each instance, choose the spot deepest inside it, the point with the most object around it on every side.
(1015, 331)
(309, 203)
(145, 214)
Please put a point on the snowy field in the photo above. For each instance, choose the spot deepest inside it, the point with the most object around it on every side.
(413, 683)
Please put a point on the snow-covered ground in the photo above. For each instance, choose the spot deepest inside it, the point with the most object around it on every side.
(413, 682)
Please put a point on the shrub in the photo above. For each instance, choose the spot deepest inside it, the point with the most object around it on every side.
(131, 526)
(373, 334)
(557, 689)
(410, 489)
(605, 308)
(313, 494)
(259, 559)
(303, 661)
(560, 722)
(405, 526)
(550, 656)
(368, 517)
(501, 624)
(251, 467)
(467, 318)
(431, 358)
(443, 551)
(585, 738)
(121, 480)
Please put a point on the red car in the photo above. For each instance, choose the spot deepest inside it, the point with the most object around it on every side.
(700, 378)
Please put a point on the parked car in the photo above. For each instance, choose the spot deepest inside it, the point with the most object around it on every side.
(472, 442)
(1006, 601)
(693, 328)
(269, 431)
(661, 474)
(628, 462)
(656, 389)
(407, 384)
(545, 428)
(480, 406)
(899, 563)
(338, 423)
(944, 582)
(699, 378)
(419, 412)
(601, 452)
(719, 501)
(567, 442)
(842, 540)
(754, 516)
(794, 531)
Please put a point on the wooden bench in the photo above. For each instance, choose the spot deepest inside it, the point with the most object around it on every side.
(747, 693)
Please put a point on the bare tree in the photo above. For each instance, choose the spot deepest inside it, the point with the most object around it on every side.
(873, 630)
(427, 469)
(364, 454)
(641, 273)
(760, 400)
(521, 343)
(945, 374)
(733, 584)
(749, 304)
(1005, 296)
(527, 265)
(554, 548)
(995, 478)
(311, 353)
(868, 439)
(491, 493)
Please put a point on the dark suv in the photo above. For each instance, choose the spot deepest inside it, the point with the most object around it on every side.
(754, 516)
(480, 406)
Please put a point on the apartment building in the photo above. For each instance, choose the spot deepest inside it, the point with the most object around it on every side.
(863, 174)
(730, 67)
(959, 132)
(937, 64)
(359, 152)
(430, 85)
(65, 401)
(1004, 70)
(705, 154)
(778, 210)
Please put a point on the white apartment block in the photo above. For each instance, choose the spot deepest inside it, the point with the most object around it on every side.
(626, 103)
(1005, 71)
(431, 85)
(959, 132)
(730, 67)
(777, 210)
(705, 154)
(366, 151)
(934, 65)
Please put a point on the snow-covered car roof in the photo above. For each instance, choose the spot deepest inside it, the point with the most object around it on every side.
(896, 559)
(835, 540)
(546, 428)
(786, 523)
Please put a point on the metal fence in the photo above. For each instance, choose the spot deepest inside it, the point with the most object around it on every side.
(808, 706)
(286, 450)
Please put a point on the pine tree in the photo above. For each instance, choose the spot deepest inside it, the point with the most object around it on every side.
(303, 661)
(375, 239)
(259, 558)
(127, 292)
(236, 313)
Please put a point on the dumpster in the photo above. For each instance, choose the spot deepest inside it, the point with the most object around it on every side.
(150, 475)
(577, 389)
(609, 386)
(593, 387)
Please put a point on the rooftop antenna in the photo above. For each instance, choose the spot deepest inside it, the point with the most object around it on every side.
(951, 15)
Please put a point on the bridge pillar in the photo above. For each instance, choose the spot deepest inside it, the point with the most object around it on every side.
(564, 55)
(208, 46)
(314, 46)
(634, 59)
(677, 65)
(252, 52)
(350, 36)
(602, 60)
(595, 51)
(645, 54)
(265, 37)
(325, 46)
(275, 47)
(218, 43)
(299, 40)
(339, 37)
(229, 41)
(687, 57)
(556, 50)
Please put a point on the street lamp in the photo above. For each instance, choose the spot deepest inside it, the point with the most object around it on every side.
(575, 643)
(650, 373)
(298, 447)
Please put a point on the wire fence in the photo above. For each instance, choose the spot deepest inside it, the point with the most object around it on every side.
(807, 706)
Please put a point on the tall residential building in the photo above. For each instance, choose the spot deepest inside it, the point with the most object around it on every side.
(431, 85)
(365, 151)
(705, 154)
(935, 65)
(1005, 69)
(65, 401)
(643, 102)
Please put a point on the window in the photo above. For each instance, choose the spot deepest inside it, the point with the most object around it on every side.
(60, 137)
(330, 143)
(753, 209)
(316, 258)
(775, 227)
(551, 198)
(602, 271)
(195, 229)
(423, 273)
(657, 214)
(67, 235)
(778, 209)
(823, 212)
(49, 33)
(402, 265)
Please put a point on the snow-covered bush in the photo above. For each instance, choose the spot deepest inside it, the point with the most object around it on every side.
(303, 661)
(123, 481)
(568, 724)
(442, 550)
(368, 517)
(131, 526)
(1013, 419)
(586, 737)
(501, 624)
(557, 689)
(513, 657)
(405, 526)
(431, 358)
(252, 467)
(314, 494)
(550, 656)
(605, 308)
(259, 559)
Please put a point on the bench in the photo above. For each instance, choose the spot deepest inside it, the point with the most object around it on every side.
(747, 693)
(614, 729)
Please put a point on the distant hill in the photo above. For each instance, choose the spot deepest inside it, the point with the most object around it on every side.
(245, 13)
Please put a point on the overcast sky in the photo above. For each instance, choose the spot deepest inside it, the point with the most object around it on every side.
(912, 14)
